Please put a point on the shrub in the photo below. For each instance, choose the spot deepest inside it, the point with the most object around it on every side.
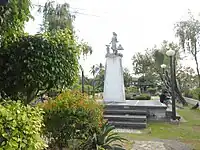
(188, 93)
(138, 97)
(192, 93)
(143, 97)
(152, 91)
(20, 127)
(104, 139)
(131, 90)
(71, 116)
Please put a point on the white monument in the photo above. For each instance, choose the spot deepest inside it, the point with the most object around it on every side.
(114, 81)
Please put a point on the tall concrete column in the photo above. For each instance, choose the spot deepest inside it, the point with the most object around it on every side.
(114, 80)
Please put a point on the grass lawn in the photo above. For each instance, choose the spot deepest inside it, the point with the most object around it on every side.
(186, 132)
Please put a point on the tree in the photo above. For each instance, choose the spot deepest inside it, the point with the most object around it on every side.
(161, 58)
(12, 19)
(149, 65)
(58, 17)
(38, 63)
(127, 78)
(188, 32)
(185, 76)
(141, 63)
(95, 70)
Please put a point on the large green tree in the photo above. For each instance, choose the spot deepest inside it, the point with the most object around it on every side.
(58, 17)
(127, 78)
(12, 19)
(149, 65)
(188, 32)
(38, 63)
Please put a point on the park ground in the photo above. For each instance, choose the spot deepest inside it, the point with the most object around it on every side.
(187, 132)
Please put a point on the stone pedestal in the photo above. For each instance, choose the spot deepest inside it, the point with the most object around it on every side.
(114, 81)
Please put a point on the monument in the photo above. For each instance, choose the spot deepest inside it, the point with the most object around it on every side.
(114, 91)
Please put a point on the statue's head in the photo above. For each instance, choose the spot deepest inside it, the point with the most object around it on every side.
(114, 34)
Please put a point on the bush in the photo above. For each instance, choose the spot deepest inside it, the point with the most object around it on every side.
(152, 91)
(138, 97)
(131, 90)
(193, 93)
(71, 116)
(143, 97)
(20, 127)
(188, 94)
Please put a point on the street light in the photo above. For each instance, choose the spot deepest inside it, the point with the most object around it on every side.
(170, 53)
(82, 78)
(163, 66)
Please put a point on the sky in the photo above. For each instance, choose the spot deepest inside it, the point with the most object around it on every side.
(139, 25)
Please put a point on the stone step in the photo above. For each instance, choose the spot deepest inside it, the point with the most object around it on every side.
(124, 112)
(129, 125)
(129, 118)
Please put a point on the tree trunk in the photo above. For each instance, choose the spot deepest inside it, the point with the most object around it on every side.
(198, 73)
(177, 91)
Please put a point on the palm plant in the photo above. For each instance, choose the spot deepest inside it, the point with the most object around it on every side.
(105, 139)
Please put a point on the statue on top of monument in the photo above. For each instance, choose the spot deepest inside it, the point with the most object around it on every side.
(114, 43)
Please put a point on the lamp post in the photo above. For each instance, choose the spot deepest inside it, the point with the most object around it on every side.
(82, 78)
(163, 66)
(170, 53)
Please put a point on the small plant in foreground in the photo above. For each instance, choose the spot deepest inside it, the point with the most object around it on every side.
(105, 139)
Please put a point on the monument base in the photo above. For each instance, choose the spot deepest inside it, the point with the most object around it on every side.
(114, 91)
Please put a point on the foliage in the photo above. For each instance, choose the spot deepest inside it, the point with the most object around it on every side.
(105, 139)
(78, 87)
(138, 97)
(12, 19)
(39, 62)
(193, 93)
(188, 32)
(132, 89)
(141, 63)
(71, 116)
(20, 126)
(186, 78)
(56, 16)
(143, 97)
(127, 78)
(152, 91)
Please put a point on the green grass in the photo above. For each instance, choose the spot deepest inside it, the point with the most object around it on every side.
(186, 132)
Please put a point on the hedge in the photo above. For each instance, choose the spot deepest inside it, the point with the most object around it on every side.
(138, 97)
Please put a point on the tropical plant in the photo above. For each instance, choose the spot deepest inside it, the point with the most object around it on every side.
(71, 116)
(20, 127)
(106, 139)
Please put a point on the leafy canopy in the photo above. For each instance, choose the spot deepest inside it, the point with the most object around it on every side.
(39, 62)
(13, 17)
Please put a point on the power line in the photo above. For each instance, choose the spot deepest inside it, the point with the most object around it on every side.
(75, 11)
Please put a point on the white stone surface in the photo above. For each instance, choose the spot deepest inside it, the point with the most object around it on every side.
(114, 81)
